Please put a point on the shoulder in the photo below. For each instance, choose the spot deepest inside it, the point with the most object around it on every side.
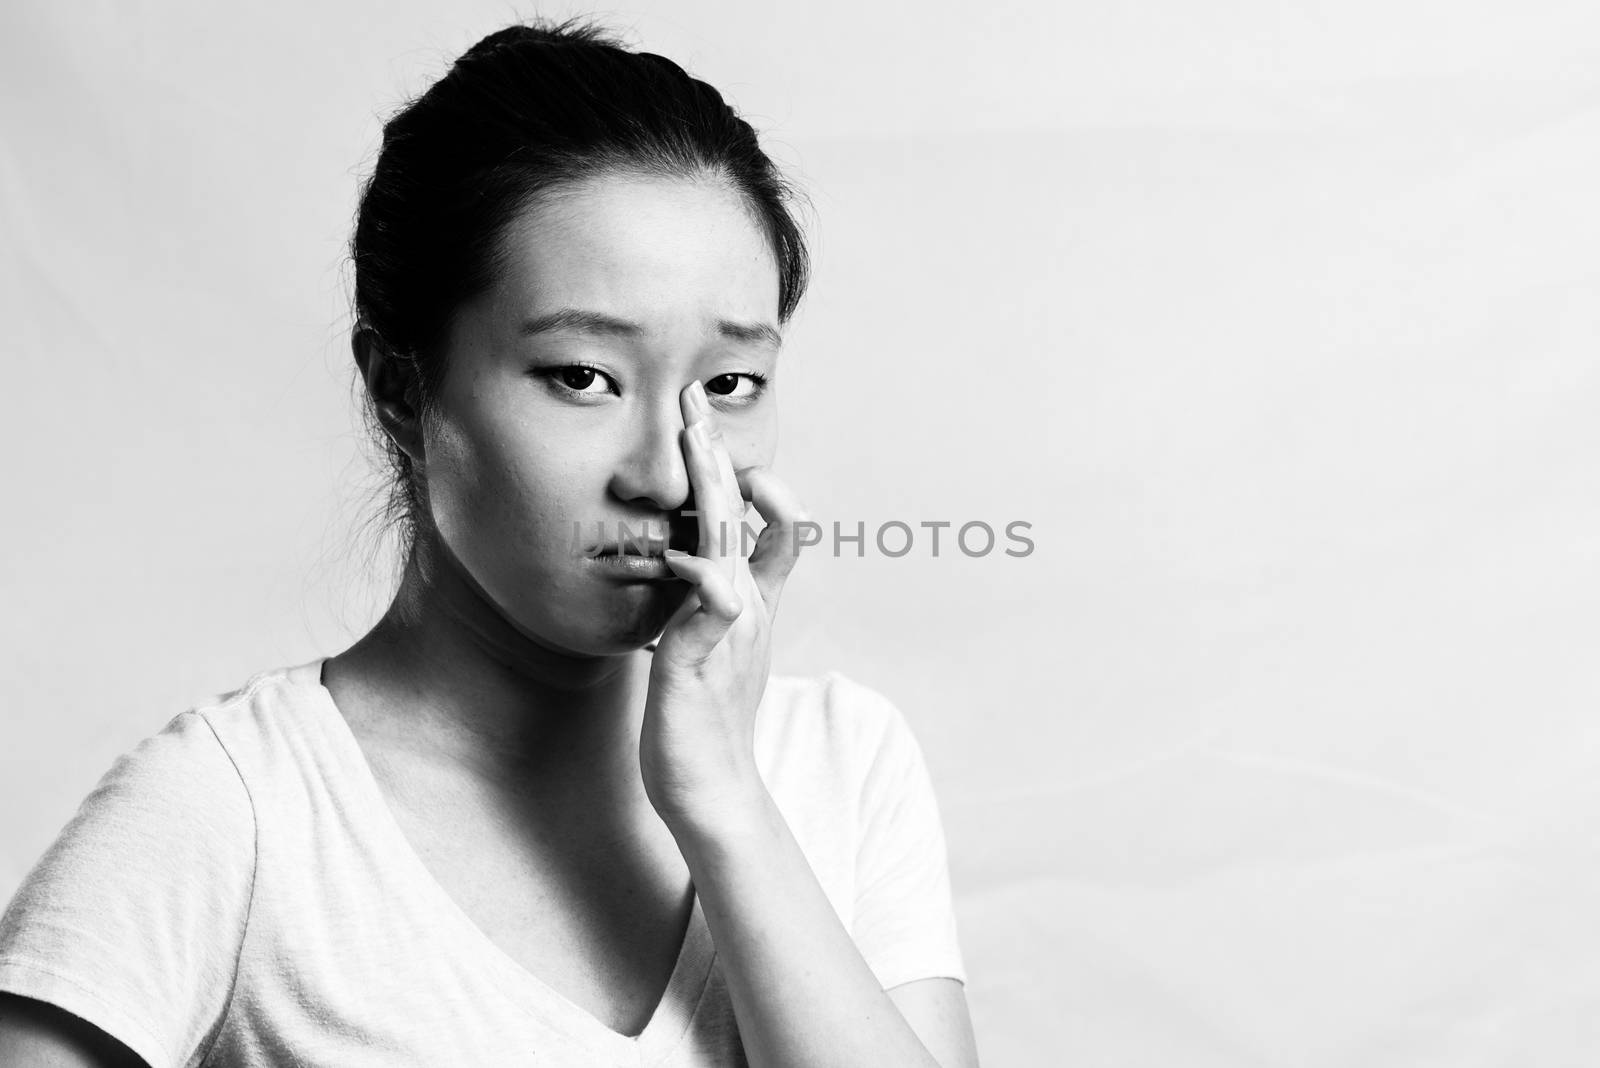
(276, 729)
(830, 719)
(842, 706)
(177, 783)
(174, 798)
(884, 853)
(842, 698)
(175, 806)
(204, 753)
(147, 889)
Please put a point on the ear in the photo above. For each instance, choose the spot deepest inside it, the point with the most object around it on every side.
(391, 380)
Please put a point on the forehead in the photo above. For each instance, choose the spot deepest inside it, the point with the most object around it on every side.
(656, 250)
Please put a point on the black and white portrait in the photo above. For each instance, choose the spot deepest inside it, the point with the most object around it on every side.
(713, 534)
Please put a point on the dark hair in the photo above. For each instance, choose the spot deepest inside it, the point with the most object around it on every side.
(529, 110)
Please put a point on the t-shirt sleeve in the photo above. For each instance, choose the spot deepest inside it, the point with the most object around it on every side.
(904, 919)
(134, 917)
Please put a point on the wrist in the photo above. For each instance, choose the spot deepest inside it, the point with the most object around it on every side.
(710, 825)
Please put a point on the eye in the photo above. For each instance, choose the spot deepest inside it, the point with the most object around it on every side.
(727, 387)
(576, 378)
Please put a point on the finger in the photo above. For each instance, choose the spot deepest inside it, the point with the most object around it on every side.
(719, 607)
(718, 533)
(737, 508)
(719, 448)
(778, 548)
(696, 406)
(711, 500)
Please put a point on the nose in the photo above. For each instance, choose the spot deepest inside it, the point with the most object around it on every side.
(651, 470)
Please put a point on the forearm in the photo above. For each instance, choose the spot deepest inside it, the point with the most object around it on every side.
(803, 995)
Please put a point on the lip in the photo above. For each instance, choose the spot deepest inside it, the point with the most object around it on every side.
(640, 546)
(633, 566)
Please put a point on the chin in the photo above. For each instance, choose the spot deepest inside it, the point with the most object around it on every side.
(631, 619)
(639, 628)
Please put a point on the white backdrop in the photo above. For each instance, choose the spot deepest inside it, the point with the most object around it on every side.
(1277, 321)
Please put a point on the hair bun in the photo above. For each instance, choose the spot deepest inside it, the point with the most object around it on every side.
(574, 31)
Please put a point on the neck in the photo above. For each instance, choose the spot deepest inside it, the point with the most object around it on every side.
(448, 678)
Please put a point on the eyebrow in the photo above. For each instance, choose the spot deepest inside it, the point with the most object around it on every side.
(592, 322)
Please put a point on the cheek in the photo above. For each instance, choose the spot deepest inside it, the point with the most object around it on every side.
(751, 442)
(492, 494)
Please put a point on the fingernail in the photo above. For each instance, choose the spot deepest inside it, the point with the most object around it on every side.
(675, 554)
(697, 394)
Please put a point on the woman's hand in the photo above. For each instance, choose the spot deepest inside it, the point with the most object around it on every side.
(697, 742)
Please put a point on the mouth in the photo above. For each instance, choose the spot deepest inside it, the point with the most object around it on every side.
(648, 545)
(641, 557)
(636, 548)
(634, 566)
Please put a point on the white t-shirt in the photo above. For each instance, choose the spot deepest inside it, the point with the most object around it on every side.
(235, 891)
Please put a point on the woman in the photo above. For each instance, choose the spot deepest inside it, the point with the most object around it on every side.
(534, 816)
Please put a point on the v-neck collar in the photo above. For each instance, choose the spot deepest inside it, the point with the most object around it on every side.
(685, 990)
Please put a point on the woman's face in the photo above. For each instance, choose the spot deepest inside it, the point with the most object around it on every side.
(560, 401)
